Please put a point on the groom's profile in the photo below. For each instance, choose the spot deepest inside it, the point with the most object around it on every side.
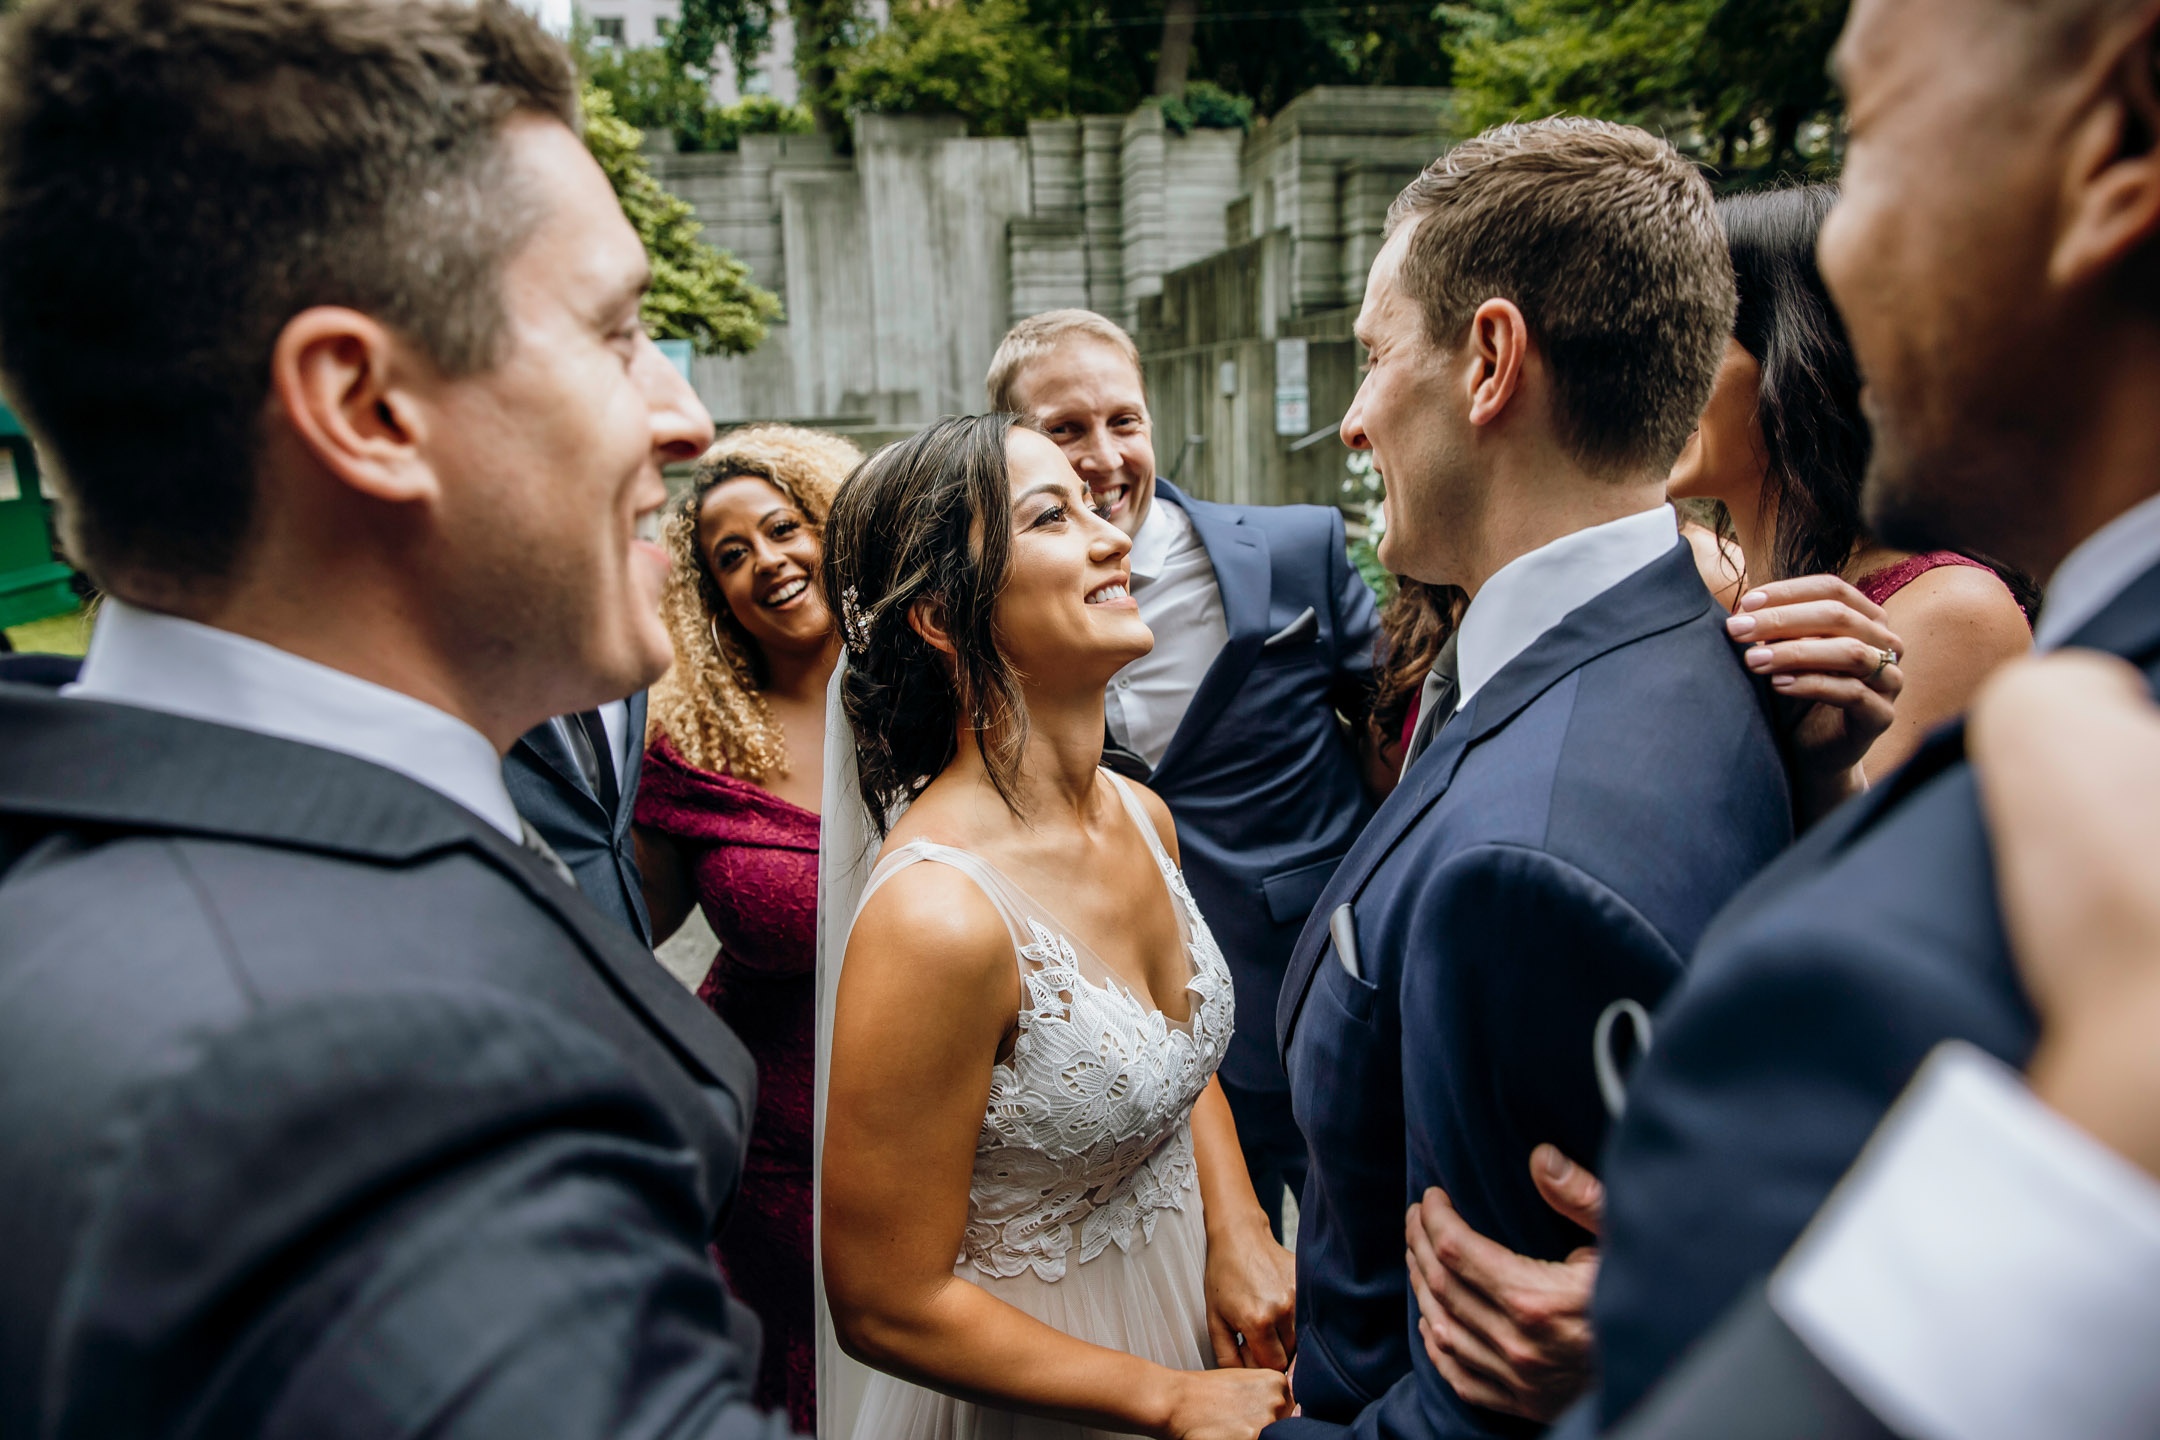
(327, 1106)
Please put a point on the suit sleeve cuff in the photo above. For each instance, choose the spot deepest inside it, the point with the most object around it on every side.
(1987, 1270)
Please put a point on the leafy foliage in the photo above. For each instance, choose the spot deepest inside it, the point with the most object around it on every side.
(652, 91)
(1204, 105)
(704, 27)
(1741, 82)
(1269, 54)
(979, 59)
(723, 126)
(699, 293)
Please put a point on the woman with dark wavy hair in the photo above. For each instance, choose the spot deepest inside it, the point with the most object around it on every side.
(1784, 446)
(1031, 1010)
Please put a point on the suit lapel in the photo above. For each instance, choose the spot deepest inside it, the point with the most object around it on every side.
(1421, 789)
(545, 743)
(1663, 594)
(1239, 555)
(88, 761)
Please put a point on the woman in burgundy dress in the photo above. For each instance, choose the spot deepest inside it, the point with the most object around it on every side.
(1783, 447)
(727, 819)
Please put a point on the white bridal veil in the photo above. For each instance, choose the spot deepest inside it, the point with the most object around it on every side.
(847, 850)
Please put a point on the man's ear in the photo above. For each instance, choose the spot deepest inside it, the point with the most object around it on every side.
(1498, 343)
(2112, 204)
(926, 617)
(345, 385)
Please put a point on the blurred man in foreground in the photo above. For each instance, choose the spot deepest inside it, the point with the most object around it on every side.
(328, 1107)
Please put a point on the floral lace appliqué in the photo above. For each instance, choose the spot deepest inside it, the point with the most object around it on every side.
(1087, 1138)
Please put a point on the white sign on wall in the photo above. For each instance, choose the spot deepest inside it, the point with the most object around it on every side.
(1293, 392)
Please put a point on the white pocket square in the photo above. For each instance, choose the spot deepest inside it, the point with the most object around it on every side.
(1305, 628)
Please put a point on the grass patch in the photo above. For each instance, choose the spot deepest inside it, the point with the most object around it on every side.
(54, 635)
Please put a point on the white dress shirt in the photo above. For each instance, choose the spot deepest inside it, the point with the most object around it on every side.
(161, 662)
(1173, 582)
(2099, 570)
(615, 720)
(1532, 593)
(1987, 1271)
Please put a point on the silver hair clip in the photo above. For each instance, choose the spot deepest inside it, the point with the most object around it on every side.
(854, 622)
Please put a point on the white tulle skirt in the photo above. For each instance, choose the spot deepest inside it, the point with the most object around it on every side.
(1149, 1301)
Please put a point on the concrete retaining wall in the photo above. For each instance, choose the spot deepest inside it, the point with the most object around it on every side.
(902, 264)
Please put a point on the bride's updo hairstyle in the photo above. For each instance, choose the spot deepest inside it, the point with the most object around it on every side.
(926, 522)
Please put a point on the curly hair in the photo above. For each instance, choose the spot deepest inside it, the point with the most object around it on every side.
(925, 521)
(710, 703)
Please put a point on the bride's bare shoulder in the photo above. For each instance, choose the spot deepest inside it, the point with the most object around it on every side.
(934, 925)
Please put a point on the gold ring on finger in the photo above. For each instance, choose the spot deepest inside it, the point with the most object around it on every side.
(1884, 660)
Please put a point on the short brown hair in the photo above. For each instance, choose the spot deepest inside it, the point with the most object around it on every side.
(1605, 237)
(1036, 337)
(178, 178)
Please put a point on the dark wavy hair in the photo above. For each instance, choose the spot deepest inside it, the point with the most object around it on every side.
(1814, 432)
(926, 521)
(1414, 624)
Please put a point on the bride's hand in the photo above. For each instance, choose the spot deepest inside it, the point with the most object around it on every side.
(1225, 1404)
(1251, 1291)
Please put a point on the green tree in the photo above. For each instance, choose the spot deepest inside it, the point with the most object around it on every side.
(699, 293)
(1113, 49)
(653, 90)
(1741, 82)
(979, 59)
(703, 28)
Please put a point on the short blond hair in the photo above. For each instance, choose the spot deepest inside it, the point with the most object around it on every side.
(1036, 337)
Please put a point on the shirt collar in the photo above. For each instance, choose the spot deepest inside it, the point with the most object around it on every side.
(1534, 592)
(1166, 526)
(2099, 570)
(161, 662)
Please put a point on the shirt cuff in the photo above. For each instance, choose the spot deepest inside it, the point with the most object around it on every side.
(1987, 1270)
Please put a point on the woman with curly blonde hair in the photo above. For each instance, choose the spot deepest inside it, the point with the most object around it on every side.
(727, 819)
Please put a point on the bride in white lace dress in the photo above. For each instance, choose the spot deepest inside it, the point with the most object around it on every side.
(1036, 1221)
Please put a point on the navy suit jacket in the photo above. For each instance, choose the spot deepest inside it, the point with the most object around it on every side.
(549, 790)
(1263, 784)
(1561, 846)
(1808, 1008)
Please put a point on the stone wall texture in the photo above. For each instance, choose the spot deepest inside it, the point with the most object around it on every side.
(903, 263)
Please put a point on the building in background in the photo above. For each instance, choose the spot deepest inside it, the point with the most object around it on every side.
(637, 22)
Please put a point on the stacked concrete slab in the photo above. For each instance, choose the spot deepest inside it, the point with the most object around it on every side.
(902, 263)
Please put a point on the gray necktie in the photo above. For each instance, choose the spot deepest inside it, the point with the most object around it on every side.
(1436, 702)
(530, 839)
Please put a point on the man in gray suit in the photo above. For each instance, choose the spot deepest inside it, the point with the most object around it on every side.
(328, 1107)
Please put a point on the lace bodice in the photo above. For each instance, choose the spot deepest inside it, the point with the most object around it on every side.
(1087, 1137)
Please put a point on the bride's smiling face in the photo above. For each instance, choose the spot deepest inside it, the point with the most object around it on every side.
(1065, 611)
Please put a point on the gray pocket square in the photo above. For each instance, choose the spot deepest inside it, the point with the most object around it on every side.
(1301, 631)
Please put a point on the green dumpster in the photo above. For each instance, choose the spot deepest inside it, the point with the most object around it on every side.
(33, 584)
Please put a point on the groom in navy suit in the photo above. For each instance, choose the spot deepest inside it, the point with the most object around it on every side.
(1593, 774)
(1263, 633)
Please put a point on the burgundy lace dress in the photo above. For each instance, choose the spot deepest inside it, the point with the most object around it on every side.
(753, 859)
